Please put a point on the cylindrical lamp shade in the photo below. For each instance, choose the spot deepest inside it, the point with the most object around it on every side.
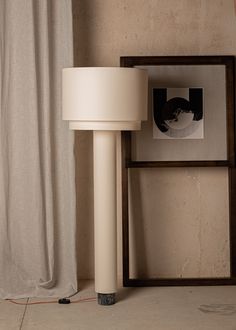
(104, 98)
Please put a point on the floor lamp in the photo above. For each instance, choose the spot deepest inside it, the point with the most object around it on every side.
(105, 100)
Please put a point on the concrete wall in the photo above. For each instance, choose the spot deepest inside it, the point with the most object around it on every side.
(190, 238)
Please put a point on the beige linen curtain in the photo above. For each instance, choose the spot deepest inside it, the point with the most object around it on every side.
(37, 192)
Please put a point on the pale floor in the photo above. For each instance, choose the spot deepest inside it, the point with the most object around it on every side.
(177, 308)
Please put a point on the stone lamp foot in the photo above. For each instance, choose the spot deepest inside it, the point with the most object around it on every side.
(106, 299)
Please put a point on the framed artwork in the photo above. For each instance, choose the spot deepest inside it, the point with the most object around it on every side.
(190, 111)
(191, 123)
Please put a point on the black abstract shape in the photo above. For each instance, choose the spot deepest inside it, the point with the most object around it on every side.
(164, 110)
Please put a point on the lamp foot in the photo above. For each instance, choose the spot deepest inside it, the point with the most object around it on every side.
(106, 299)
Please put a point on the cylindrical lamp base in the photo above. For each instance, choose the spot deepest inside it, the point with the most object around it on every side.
(104, 146)
(106, 299)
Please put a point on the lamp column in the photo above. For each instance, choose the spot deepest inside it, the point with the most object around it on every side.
(105, 214)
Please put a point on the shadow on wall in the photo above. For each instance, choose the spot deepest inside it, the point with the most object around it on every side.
(83, 51)
(83, 150)
(138, 265)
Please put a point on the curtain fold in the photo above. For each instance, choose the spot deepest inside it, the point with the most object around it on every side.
(37, 185)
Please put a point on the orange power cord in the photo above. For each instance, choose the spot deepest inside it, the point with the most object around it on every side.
(52, 301)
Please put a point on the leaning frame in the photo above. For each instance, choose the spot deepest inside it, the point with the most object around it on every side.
(128, 163)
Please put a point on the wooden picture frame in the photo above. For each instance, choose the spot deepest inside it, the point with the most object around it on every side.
(128, 162)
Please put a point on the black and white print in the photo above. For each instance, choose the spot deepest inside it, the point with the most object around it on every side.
(178, 113)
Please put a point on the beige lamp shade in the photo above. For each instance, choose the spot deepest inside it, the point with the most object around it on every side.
(104, 98)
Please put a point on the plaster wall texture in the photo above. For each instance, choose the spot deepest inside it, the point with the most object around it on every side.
(185, 231)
